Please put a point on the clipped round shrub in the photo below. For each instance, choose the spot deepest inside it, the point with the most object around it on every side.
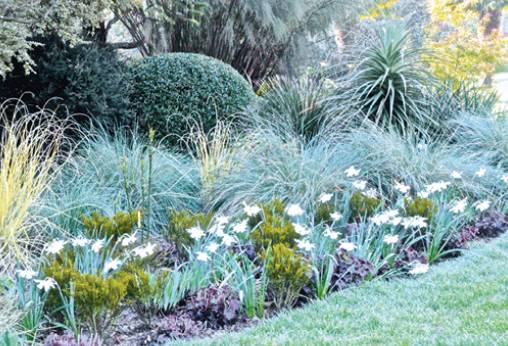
(86, 80)
(174, 91)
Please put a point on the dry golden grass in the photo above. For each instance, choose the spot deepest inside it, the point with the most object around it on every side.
(212, 151)
(29, 150)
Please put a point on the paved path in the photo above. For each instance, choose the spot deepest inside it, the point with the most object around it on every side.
(501, 84)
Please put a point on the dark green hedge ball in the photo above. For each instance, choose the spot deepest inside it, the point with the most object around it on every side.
(172, 92)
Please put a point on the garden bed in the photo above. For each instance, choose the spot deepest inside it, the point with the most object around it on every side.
(238, 169)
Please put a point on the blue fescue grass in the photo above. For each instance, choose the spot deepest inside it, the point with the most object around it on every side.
(273, 163)
(110, 173)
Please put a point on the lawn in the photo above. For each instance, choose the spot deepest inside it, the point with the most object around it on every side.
(462, 301)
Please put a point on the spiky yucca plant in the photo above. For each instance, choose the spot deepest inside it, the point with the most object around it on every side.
(389, 84)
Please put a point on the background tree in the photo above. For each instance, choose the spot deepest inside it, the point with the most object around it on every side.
(490, 13)
(253, 36)
(465, 37)
(21, 20)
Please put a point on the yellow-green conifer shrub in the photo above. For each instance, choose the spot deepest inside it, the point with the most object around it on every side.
(362, 205)
(419, 206)
(137, 282)
(98, 298)
(180, 222)
(288, 272)
(273, 227)
(323, 212)
(119, 224)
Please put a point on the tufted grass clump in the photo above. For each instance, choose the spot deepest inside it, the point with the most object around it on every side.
(111, 173)
(417, 161)
(30, 150)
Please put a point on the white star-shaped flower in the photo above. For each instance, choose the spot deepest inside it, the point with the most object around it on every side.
(391, 239)
(456, 175)
(481, 172)
(129, 239)
(459, 206)
(360, 184)
(414, 222)
(347, 246)
(304, 245)
(80, 242)
(385, 218)
(241, 227)
(251, 210)
(196, 232)
(202, 256)
(301, 229)
(144, 251)
(325, 197)
(212, 247)
(55, 246)
(482, 205)
(26, 274)
(228, 240)
(402, 188)
(112, 265)
(97, 245)
(46, 285)
(504, 178)
(294, 210)
(331, 234)
(336, 216)
(352, 172)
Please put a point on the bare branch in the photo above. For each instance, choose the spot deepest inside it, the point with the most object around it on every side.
(14, 20)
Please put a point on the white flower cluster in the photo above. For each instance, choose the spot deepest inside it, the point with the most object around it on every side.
(402, 188)
(459, 206)
(45, 284)
(434, 188)
(217, 230)
(294, 210)
(391, 217)
(388, 217)
(391, 239)
(251, 210)
(414, 222)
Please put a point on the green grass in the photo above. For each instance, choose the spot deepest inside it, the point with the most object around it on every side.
(463, 301)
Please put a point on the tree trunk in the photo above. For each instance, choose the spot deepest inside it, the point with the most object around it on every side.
(491, 21)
